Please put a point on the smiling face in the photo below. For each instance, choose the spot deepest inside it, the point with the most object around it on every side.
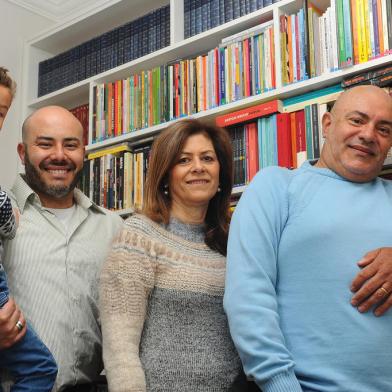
(53, 154)
(194, 179)
(358, 134)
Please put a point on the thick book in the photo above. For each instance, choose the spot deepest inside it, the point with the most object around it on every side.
(250, 113)
(284, 140)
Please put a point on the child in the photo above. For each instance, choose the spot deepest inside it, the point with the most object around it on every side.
(29, 361)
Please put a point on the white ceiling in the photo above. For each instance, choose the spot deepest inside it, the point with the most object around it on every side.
(59, 10)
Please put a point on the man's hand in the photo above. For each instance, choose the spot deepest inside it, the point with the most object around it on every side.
(373, 284)
(10, 314)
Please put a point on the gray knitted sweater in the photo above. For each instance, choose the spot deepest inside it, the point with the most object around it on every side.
(163, 324)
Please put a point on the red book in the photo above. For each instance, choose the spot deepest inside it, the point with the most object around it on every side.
(285, 158)
(115, 117)
(300, 136)
(249, 113)
(253, 150)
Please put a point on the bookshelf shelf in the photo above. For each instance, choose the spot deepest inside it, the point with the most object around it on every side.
(284, 92)
(115, 13)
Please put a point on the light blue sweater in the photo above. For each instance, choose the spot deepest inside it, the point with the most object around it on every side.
(294, 242)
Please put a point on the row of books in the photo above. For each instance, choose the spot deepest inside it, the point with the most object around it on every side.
(202, 15)
(243, 65)
(348, 32)
(114, 178)
(121, 45)
(82, 114)
(381, 77)
(282, 139)
(354, 32)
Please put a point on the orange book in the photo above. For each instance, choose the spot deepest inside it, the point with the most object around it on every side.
(293, 129)
(245, 53)
(354, 30)
(252, 150)
(205, 82)
(380, 30)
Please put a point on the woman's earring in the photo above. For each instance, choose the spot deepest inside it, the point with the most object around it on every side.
(166, 189)
(219, 189)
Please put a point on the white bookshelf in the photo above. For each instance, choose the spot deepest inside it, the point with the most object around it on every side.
(117, 12)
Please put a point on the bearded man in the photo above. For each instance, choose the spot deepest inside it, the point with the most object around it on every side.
(54, 261)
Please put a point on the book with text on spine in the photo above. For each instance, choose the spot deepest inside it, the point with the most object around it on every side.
(249, 113)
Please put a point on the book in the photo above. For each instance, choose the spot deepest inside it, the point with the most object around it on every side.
(249, 113)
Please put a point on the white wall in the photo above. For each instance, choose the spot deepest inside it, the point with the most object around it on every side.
(16, 26)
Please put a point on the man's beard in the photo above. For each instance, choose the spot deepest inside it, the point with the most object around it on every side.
(34, 179)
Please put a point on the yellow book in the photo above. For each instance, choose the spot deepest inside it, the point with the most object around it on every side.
(368, 26)
(111, 150)
(362, 48)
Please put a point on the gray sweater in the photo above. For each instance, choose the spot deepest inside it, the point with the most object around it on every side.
(164, 328)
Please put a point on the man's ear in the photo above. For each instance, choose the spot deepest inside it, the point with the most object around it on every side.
(326, 123)
(22, 152)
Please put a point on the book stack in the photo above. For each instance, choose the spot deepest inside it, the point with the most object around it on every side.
(243, 65)
(202, 15)
(114, 178)
(109, 50)
(82, 114)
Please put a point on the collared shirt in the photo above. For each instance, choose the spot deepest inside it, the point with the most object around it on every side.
(53, 275)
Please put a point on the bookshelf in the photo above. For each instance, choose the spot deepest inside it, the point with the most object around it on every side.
(117, 12)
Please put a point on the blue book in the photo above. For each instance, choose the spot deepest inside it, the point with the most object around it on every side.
(214, 12)
(347, 33)
(247, 6)
(192, 17)
(237, 8)
(228, 10)
(204, 15)
(253, 5)
(221, 11)
(198, 21)
(242, 7)
(187, 18)
(260, 4)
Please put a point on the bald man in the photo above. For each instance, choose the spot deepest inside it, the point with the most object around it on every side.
(54, 261)
(294, 243)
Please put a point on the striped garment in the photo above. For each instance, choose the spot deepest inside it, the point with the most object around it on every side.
(53, 275)
(163, 323)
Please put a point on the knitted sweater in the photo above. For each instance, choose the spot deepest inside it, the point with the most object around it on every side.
(163, 324)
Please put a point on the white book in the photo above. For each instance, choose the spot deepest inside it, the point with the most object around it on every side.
(385, 24)
(334, 36)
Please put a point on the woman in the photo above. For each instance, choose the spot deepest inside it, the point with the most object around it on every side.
(163, 324)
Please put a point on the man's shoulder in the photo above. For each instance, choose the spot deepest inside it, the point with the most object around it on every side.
(273, 175)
